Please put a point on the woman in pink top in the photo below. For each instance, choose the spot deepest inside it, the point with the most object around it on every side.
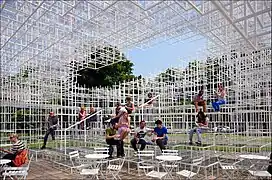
(123, 124)
(82, 115)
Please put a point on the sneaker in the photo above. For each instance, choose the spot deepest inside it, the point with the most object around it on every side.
(110, 157)
(190, 143)
(119, 156)
(123, 155)
(43, 147)
(198, 143)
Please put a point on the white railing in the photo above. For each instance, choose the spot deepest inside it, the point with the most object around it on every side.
(146, 103)
(77, 123)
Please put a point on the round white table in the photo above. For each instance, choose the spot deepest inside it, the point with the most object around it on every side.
(4, 161)
(252, 156)
(5, 145)
(168, 158)
(170, 163)
(96, 156)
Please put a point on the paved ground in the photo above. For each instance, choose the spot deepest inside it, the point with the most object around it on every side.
(44, 170)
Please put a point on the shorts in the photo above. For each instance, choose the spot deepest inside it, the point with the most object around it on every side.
(123, 128)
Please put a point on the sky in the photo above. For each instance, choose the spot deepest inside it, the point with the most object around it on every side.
(162, 56)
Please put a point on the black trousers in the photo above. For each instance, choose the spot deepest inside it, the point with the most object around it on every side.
(161, 143)
(134, 142)
(10, 157)
(119, 145)
(51, 132)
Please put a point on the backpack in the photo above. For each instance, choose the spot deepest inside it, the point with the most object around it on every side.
(21, 158)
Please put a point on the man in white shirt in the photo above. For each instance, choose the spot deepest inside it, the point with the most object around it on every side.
(139, 135)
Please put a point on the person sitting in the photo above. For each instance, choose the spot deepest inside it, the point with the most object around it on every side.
(160, 135)
(112, 139)
(17, 150)
(52, 123)
(199, 101)
(139, 135)
(201, 125)
(221, 93)
(123, 124)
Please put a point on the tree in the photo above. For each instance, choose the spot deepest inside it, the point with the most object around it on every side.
(119, 71)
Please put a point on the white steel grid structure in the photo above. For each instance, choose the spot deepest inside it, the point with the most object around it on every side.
(45, 43)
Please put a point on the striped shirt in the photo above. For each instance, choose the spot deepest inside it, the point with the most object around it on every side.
(18, 146)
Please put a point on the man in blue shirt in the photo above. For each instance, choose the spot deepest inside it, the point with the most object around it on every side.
(160, 135)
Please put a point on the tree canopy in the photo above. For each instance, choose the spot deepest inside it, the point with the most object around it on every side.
(109, 75)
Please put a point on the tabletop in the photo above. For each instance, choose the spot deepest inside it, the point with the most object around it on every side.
(169, 158)
(252, 156)
(4, 161)
(5, 145)
(96, 156)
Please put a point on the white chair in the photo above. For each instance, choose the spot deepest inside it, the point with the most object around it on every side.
(17, 172)
(81, 168)
(169, 152)
(261, 174)
(190, 173)
(102, 150)
(146, 161)
(115, 167)
(228, 168)
(156, 174)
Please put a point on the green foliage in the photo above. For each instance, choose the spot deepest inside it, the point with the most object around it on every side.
(108, 75)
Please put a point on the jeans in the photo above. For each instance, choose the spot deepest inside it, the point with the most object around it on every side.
(198, 131)
(216, 105)
(118, 144)
(161, 143)
(10, 157)
(48, 132)
(134, 142)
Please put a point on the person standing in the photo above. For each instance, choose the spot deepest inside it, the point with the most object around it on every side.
(115, 119)
(160, 135)
(129, 105)
(92, 119)
(221, 93)
(82, 115)
(201, 125)
(52, 123)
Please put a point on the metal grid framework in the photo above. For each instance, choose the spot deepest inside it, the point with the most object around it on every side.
(44, 43)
